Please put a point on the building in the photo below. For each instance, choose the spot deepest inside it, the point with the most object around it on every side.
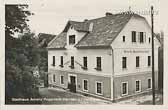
(108, 57)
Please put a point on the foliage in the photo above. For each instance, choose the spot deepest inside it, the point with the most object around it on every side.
(21, 56)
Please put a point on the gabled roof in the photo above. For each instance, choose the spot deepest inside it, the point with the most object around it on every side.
(105, 30)
(79, 26)
(44, 39)
(59, 41)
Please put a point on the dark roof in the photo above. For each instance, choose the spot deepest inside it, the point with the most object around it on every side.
(79, 26)
(44, 39)
(105, 30)
(59, 41)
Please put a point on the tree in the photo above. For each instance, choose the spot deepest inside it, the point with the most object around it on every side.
(21, 56)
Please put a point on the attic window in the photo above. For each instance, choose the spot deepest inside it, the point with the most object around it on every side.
(71, 39)
(123, 38)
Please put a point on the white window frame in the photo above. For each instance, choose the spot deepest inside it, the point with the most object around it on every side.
(87, 85)
(126, 63)
(150, 61)
(63, 80)
(139, 85)
(101, 87)
(151, 83)
(122, 89)
(54, 78)
(136, 62)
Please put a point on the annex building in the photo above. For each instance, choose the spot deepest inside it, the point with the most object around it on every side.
(108, 57)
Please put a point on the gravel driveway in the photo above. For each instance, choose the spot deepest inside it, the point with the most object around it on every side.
(61, 96)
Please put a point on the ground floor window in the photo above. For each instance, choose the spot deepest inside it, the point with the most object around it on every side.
(124, 88)
(85, 85)
(54, 78)
(137, 85)
(99, 87)
(149, 83)
(62, 79)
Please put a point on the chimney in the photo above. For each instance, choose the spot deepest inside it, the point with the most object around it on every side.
(108, 14)
(90, 27)
(85, 20)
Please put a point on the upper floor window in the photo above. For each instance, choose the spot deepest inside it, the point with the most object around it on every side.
(98, 63)
(72, 61)
(71, 39)
(123, 38)
(84, 62)
(62, 61)
(141, 37)
(124, 62)
(133, 36)
(53, 61)
(149, 40)
(149, 60)
(137, 61)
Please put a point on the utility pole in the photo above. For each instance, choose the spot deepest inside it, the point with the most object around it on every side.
(153, 69)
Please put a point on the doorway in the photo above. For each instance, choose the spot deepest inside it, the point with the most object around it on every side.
(72, 83)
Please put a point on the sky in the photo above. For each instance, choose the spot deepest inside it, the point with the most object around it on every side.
(51, 16)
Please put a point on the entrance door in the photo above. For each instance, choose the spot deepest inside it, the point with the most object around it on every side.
(72, 80)
(72, 85)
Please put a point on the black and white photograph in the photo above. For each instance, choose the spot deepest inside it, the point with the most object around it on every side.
(80, 52)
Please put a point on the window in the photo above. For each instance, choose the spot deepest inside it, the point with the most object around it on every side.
(149, 84)
(61, 61)
(141, 37)
(85, 62)
(54, 78)
(149, 60)
(53, 61)
(149, 39)
(124, 88)
(133, 36)
(62, 79)
(72, 61)
(137, 86)
(124, 62)
(123, 38)
(98, 87)
(137, 61)
(71, 39)
(85, 85)
(98, 63)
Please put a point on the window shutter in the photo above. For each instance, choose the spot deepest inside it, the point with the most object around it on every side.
(144, 36)
(138, 36)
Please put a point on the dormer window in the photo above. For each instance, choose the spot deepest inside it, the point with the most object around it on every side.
(71, 39)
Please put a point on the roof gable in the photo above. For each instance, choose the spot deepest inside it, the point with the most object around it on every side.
(104, 31)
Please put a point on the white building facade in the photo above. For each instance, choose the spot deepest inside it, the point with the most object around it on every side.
(108, 57)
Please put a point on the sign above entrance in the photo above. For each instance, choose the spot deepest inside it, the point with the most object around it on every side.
(136, 51)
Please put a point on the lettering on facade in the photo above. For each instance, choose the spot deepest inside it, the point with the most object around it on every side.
(136, 51)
